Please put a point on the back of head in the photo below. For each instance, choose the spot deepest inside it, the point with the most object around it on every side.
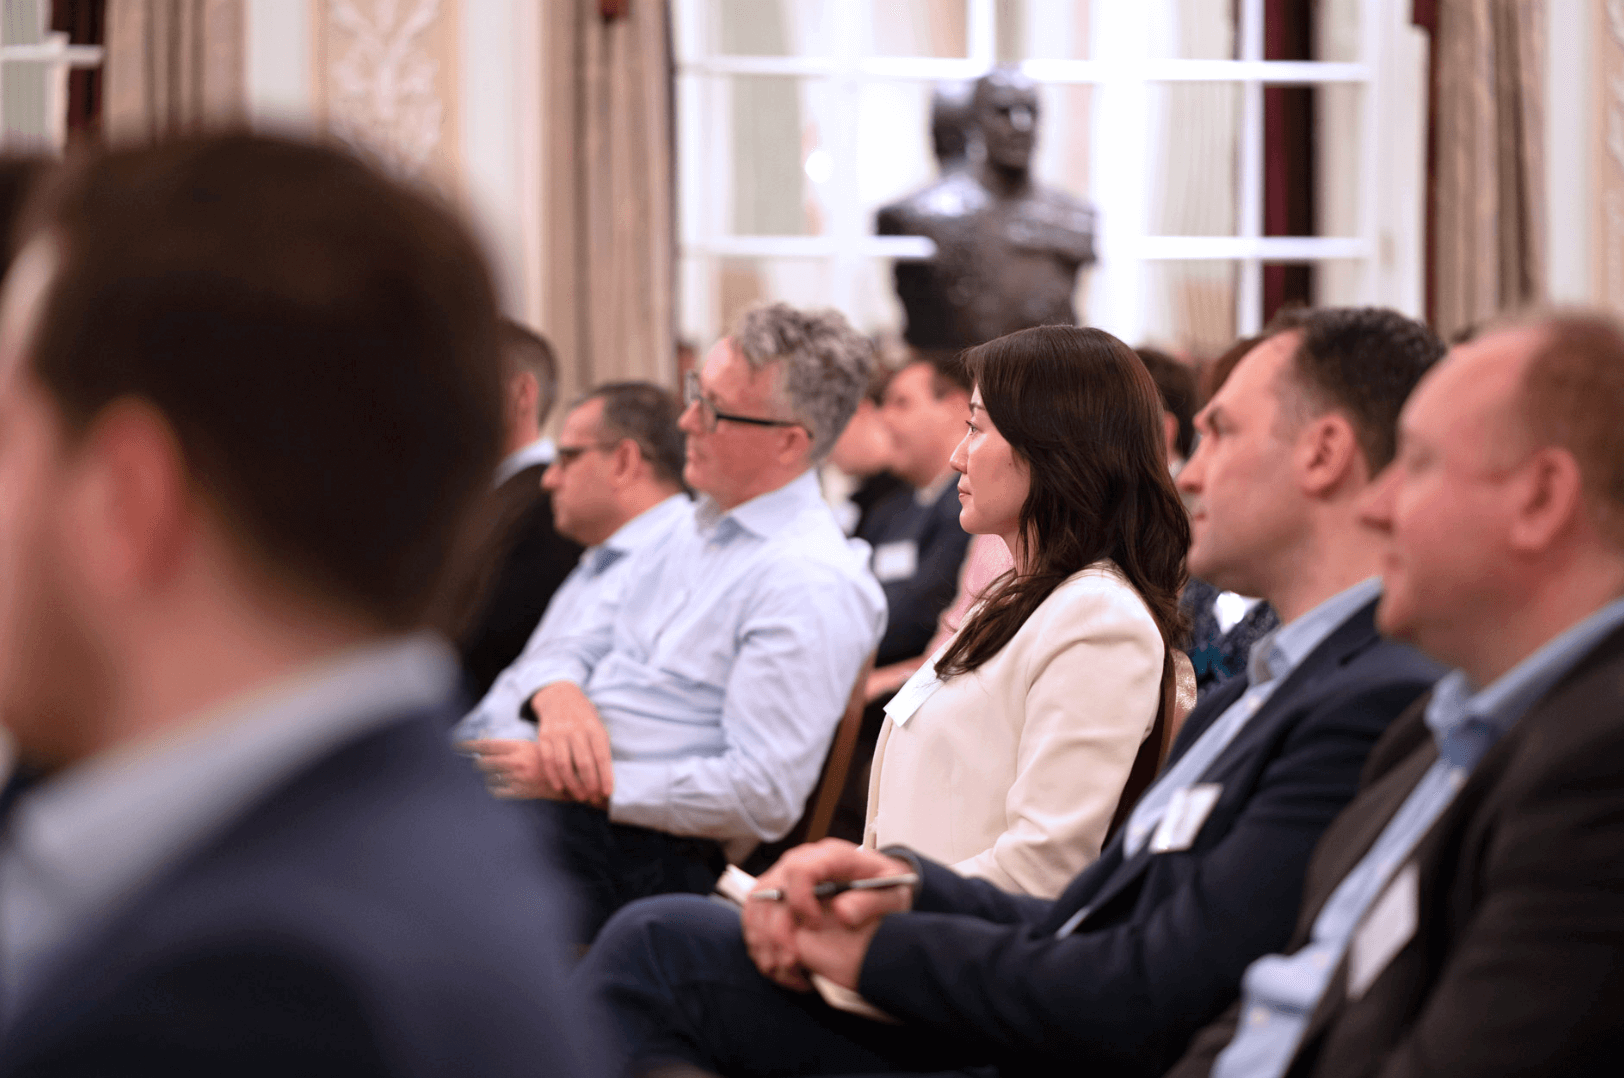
(824, 365)
(1079, 408)
(1360, 361)
(252, 291)
(1573, 390)
(1175, 382)
(948, 373)
(647, 415)
(524, 351)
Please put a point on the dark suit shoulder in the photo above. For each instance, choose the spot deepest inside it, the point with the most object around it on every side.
(377, 913)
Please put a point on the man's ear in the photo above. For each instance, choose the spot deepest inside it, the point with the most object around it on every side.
(1550, 497)
(1327, 455)
(523, 394)
(134, 507)
(624, 461)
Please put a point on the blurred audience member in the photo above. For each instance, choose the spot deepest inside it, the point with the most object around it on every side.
(696, 714)
(1223, 624)
(918, 544)
(526, 558)
(1117, 974)
(1463, 914)
(1176, 382)
(857, 476)
(235, 842)
(616, 486)
(1008, 753)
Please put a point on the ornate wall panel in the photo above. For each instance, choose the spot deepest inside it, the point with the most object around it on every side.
(385, 83)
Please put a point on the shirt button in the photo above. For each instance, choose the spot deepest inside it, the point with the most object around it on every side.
(1258, 1017)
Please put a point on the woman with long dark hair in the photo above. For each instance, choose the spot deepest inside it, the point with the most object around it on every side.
(1007, 756)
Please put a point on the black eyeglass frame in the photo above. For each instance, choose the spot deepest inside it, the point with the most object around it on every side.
(692, 394)
(565, 455)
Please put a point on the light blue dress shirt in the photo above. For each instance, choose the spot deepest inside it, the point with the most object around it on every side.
(596, 578)
(1281, 992)
(1273, 658)
(541, 451)
(721, 670)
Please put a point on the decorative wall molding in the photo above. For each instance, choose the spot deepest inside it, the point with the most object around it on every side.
(385, 77)
(1607, 155)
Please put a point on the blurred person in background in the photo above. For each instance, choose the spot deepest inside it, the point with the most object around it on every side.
(690, 720)
(1176, 382)
(616, 487)
(857, 476)
(526, 558)
(234, 842)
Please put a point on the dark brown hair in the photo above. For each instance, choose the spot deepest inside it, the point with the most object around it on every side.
(648, 415)
(1573, 390)
(1175, 382)
(523, 349)
(321, 341)
(1080, 409)
(1215, 373)
(1361, 361)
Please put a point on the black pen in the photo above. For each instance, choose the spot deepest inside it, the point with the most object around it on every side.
(831, 888)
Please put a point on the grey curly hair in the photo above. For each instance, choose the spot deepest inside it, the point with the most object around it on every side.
(825, 365)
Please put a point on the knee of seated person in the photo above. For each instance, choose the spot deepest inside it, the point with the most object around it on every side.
(649, 927)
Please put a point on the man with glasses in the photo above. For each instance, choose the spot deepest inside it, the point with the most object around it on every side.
(616, 487)
(687, 716)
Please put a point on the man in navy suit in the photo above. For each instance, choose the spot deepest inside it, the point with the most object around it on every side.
(1148, 943)
(234, 841)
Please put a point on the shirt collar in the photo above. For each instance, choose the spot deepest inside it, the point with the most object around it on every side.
(541, 451)
(1465, 723)
(765, 514)
(1278, 653)
(928, 495)
(641, 530)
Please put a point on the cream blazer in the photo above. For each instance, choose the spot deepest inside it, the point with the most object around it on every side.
(1012, 772)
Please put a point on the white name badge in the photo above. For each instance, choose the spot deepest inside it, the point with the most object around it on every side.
(1186, 812)
(915, 691)
(896, 561)
(1388, 926)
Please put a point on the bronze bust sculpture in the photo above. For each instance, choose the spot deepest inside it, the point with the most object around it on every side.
(1007, 250)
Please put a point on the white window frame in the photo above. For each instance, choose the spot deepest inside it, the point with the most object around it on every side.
(50, 128)
(1387, 245)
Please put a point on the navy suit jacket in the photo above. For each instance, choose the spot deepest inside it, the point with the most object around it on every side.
(377, 914)
(1165, 938)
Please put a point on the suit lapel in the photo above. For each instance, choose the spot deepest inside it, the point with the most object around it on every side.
(1350, 638)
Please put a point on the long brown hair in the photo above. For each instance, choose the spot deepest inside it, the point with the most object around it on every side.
(1081, 410)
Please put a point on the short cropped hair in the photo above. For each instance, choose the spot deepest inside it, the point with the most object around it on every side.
(1362, 362)
(825, 365)
(1573, 388)
(647, 415)
(251, 290)
(1175, 381)
(526, 351)
(948, 374)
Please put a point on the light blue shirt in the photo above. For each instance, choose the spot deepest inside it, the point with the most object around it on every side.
(1281, 992)
(596, 578)
(1272, 660)
(722, 669)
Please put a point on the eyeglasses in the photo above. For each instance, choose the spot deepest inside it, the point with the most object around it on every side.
(709, 413)
(565, 455)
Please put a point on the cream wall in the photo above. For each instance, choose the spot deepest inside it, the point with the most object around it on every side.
(442, 91)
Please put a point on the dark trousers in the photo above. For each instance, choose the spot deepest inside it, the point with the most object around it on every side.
(611, 863)
(677, 986)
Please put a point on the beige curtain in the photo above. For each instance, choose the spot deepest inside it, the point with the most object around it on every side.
(1488, 195)
(172, 66)
(608, 246)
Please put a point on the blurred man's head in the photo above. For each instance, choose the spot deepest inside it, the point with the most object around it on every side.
(1006, 114)
(183, 342)
(926, 407)
(530, 377)
(619, 452)
(952, 123)
(1505, 506)
(771, 400)
(1291, 439)
(1176, 382)
(864, 447)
